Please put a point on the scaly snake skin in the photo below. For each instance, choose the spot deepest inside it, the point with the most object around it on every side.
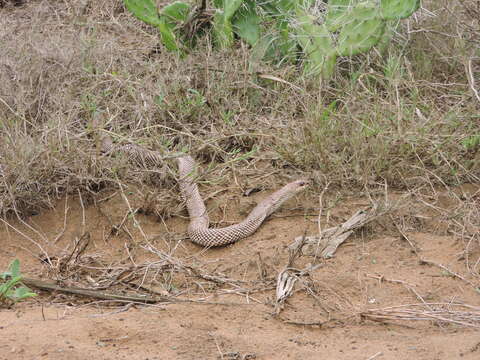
(198, 228)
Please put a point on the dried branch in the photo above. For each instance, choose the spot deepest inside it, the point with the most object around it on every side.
(53, 286)
(330, 239)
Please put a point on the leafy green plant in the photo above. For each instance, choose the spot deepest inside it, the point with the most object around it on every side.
(222, 21)
(276, 28)
(471, 142)
(165, 21)
(11, 288)
(350, 27)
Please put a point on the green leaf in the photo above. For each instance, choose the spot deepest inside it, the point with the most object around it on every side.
(165, 22)
(167, 35)
(364, 30)
(170, 16)
(317, 46)
(222, 26)
(471, 142)
(15, 268)
(277, 42)
(5, 288)
(246, 23)
(279, 8)
(230, 7)
(176, 12)
(144, 10)
(338, 13)
(398, 9)
(22, 293)
(390, 28)
(222, 30)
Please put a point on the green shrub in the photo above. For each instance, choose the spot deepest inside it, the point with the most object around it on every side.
(11, 288)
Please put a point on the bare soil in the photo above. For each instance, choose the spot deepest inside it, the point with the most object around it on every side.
(222, 321)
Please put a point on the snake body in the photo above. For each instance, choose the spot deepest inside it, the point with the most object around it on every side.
(198, 228)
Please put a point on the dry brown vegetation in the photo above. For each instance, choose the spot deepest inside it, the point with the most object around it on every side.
(400, 117)
(400, 125)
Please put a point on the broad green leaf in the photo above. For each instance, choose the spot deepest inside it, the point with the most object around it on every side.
(170, 16)
(230, 7)
(471, 142)
(15, 268)
(222, 26)
(222, 30)
(398, 9)
(279, 8)
(246, 23)
(5, 289)
(176, 12)
(167, 35)
(317, 46)
(218, 4)
(362, 32)
(338, 13)
(144, 10)
(22, 292)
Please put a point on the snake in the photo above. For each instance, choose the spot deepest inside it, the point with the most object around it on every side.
(198, 230)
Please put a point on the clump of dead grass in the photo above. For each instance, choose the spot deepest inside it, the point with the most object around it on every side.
(440, 313)
(399, 117)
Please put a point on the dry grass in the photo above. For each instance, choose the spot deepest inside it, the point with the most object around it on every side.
(442, 314)
(406, 117)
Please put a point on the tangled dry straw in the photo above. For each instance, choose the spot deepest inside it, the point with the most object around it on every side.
(402, 117)
(441, 313)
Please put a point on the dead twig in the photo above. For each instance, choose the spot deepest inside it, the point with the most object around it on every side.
(471, 79)
(330, 239)
(47, 257)
(52, 286)
(382, 278)
(60, 234)
(404, 236)
(443, 267)
(305, 323)
(287, 278)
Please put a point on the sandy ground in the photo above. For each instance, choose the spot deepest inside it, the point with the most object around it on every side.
(226, 323)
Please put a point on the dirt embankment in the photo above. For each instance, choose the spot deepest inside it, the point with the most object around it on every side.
(230, 291)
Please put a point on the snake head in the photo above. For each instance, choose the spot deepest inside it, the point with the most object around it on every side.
(274, 201)
(300, 185)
